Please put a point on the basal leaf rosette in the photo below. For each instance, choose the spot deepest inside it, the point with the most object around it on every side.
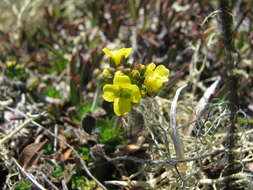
(155, 76)
(118, 56)
(122, 93)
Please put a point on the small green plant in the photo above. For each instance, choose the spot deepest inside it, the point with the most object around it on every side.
(58, 172)
(84, 153)
(15, 71)
(81, 183)
(60, 64)
(109, 134)
(24, 185)
(84, 109)
(48, 149)
(52, 92)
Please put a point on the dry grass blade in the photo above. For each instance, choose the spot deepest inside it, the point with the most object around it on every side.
(133, 183)
(174, 131)
(205, 98)
(202, 104)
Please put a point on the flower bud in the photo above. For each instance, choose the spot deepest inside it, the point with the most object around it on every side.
(135, 74)
(10, 64)
(106, 73)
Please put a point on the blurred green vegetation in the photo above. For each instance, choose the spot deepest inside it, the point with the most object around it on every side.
(23, 186)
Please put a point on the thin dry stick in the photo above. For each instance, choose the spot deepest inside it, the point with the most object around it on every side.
(132, 183)
(55, 139)
(48, 181)
(170, 162)
(241, 20)
(29, 176)
(19, 128)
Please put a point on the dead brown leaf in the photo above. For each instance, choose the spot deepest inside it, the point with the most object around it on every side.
(31, 154)
(66, 155)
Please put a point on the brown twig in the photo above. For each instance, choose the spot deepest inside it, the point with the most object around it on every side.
(226, 23)
(170, 162)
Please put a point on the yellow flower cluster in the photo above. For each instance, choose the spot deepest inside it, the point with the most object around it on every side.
(155, 77)
(130, 87)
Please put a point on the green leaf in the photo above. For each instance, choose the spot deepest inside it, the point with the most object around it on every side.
(84, 109)
(84, 153)
(109, 134)
(52, 92)
(48, 149)
(133, 9)
(60, 64)
(23, 186)
(242, 120)
(16, 73)
(81, 183)
(57, 172)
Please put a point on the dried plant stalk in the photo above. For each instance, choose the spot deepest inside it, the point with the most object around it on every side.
(226, 23)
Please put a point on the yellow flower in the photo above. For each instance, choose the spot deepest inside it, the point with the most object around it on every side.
(122, 93)
(118, 56)
(10, 64)
(155, 77)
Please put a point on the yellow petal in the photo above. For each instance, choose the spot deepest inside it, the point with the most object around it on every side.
(121, 79)
(150, 69)
(114, 55)
(110, 92)
(153, 84)
(118, 55)
(125, 52)
(136, 95)
(161, 70)
(121, 106)
(150, 83)
(108, 52)
(159, 83)
(117, 58)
